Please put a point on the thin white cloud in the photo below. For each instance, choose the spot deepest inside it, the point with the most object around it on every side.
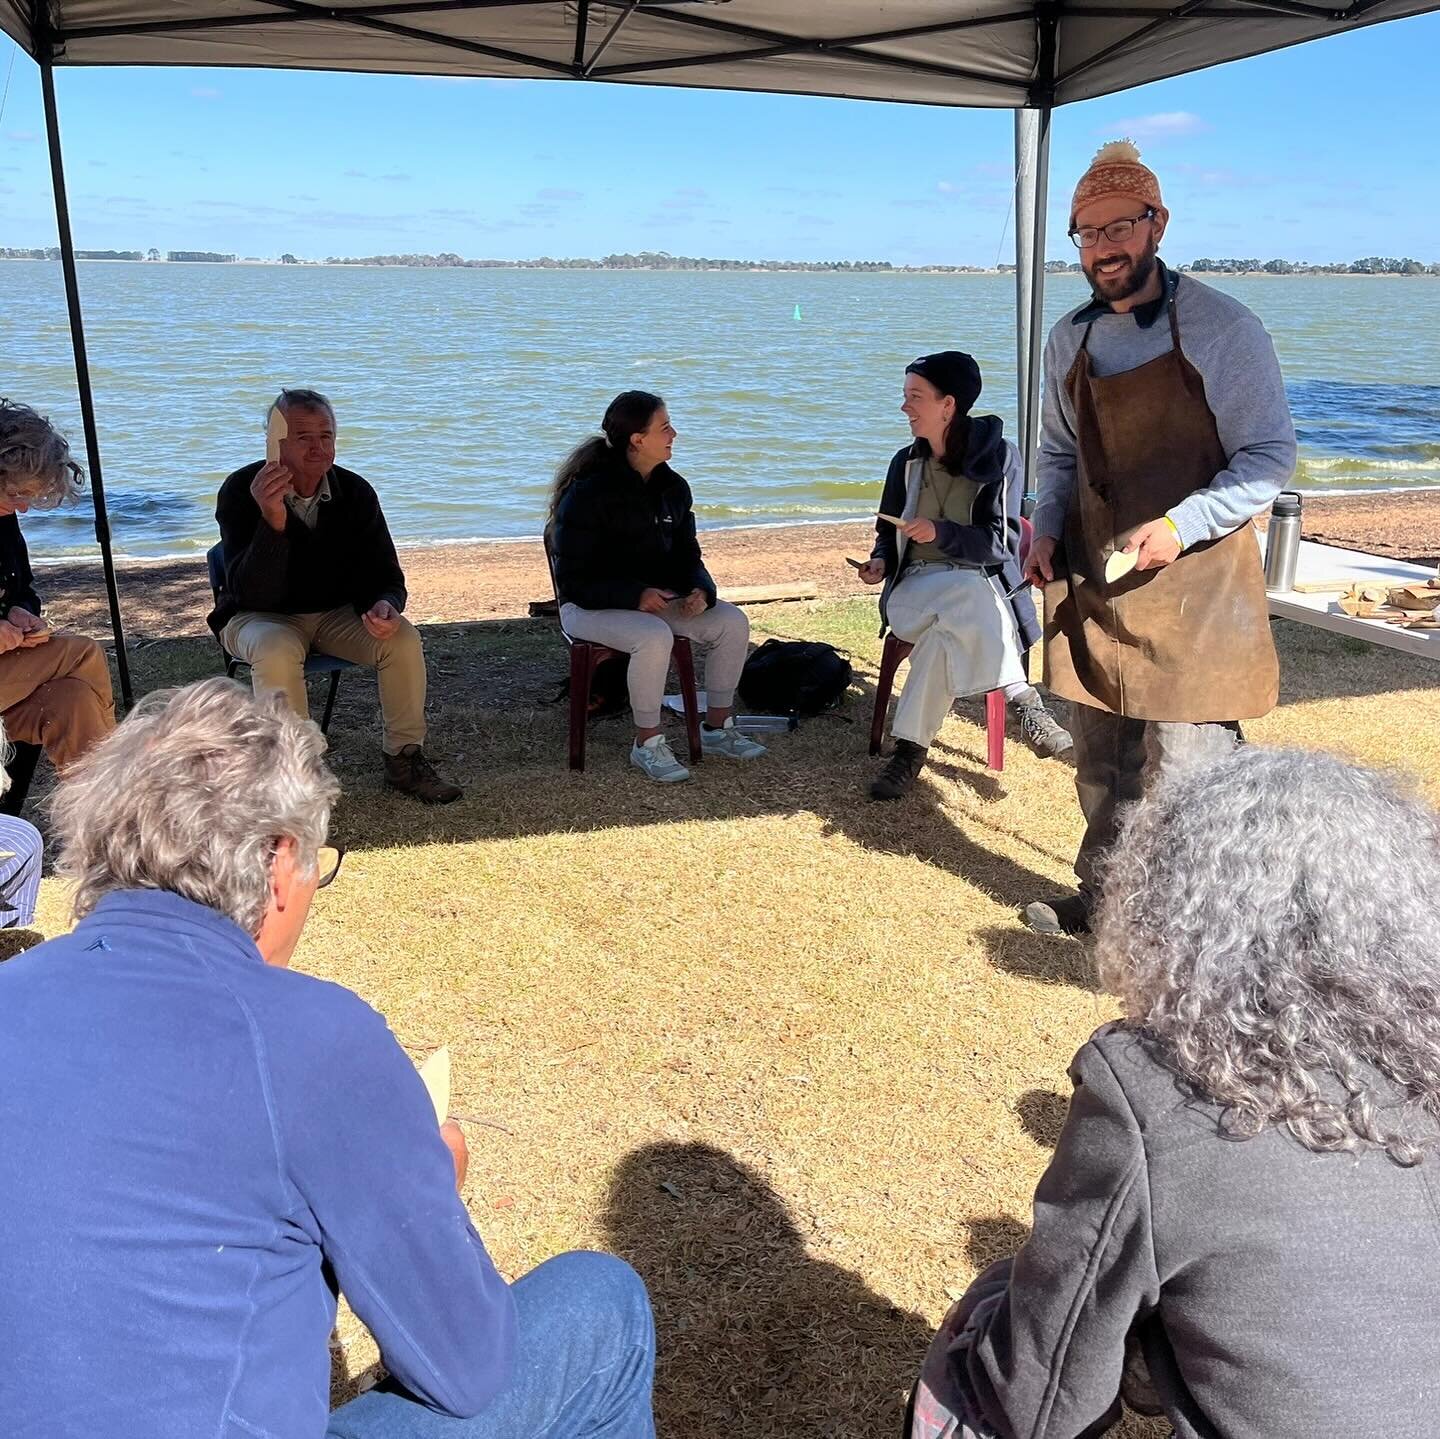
(22, 137)
(206, 92)
(1166, 125)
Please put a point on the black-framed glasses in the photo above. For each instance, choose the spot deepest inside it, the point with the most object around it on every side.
(1117, 231)
(327, 863)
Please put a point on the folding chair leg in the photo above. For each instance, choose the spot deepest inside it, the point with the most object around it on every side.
(582, 671)
(995, 729)
(684, 658)
(330, 701)
(884, 683)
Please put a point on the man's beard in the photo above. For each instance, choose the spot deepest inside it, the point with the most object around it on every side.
(1126, 282)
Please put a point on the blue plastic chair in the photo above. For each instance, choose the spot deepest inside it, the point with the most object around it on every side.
(315, 664)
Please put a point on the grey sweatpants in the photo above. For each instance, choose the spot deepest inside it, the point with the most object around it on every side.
(720, 634)
(1114, 758)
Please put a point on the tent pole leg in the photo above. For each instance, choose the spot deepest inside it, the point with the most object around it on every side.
(1032, 183)
(82, 370)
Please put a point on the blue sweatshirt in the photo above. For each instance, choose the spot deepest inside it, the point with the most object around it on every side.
(191, 1142)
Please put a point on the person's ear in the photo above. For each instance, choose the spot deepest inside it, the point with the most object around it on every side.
(1162, 218)
(284, 872)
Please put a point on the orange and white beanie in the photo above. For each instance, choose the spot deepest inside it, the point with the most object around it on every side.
(1116, 170)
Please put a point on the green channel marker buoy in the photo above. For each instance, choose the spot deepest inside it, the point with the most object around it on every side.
(797, 313)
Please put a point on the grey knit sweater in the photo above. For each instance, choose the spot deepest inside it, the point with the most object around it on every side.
(1230, 348)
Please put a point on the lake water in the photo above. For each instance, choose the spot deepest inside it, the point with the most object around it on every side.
(458, 390)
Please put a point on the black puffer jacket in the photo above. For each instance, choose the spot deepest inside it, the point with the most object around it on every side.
(615, 535)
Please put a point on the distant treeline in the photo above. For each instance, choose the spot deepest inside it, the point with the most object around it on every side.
(52, 252)
(1374, 265)
(645, 260)
(660, 260)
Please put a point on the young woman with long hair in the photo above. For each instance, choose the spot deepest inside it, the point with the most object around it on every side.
(630, 575)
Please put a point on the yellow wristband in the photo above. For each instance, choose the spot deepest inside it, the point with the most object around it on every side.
(1176, 528)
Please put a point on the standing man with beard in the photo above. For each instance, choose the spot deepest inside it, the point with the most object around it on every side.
(1165, 432)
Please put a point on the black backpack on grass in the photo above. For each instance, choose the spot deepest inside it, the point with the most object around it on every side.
(794, 677)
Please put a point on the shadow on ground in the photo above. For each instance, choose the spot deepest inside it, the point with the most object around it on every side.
(498, 729)
(1051, 959)
(1042, 1115)
(757, 1337)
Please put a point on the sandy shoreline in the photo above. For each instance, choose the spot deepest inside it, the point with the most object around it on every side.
(497, 579)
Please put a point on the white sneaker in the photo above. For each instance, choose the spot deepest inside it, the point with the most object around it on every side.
(656, 759)
(729, 742)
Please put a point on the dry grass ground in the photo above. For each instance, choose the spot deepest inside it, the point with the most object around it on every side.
(787, 1051)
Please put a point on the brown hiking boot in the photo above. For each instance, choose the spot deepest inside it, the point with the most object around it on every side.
(411, 773)
(900, 774)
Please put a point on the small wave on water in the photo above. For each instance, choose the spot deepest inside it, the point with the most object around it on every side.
(1366, 436)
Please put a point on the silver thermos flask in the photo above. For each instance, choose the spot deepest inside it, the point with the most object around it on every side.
(1282, 542)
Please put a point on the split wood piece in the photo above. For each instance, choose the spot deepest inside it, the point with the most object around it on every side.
(276, 429)
(1321, 587)
(1359, 609)
(436, 1074)
(893, 519)
(766, 594)
(1424, 597)
(1120, 564)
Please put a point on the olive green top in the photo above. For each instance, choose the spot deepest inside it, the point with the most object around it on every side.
(943, 496)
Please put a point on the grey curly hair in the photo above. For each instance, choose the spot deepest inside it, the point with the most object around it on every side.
(35, 456)
(1271, 921)
(191, 794)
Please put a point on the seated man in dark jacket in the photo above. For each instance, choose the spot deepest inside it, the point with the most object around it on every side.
(951, 567)
(202, 1145)
(310, 565)
(54, 685)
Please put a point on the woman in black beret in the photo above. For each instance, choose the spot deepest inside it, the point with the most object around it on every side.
(951, 566)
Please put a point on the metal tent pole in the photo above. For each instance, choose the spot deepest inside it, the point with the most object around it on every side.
(82, 365)
(1032, 184)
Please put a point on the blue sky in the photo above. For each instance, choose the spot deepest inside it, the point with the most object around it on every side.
(1324, 152)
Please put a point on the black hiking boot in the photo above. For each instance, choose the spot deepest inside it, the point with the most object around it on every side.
(1043, 732)
(411, 773)
(900, 773)
(1067, 914)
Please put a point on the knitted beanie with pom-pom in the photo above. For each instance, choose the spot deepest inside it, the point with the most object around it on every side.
(1116, 170)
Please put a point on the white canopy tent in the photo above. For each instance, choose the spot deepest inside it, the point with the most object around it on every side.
(1029, 57)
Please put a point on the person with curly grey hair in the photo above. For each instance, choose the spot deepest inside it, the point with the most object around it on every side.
(1238, 1227)
(54, 685)
(202, 1147)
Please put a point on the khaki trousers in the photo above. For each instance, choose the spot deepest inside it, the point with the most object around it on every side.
(275, 647)
(58, 695)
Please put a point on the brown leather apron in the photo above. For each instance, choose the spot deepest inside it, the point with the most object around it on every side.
(1187, 642)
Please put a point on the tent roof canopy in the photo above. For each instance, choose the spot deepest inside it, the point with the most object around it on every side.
(996, 53)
